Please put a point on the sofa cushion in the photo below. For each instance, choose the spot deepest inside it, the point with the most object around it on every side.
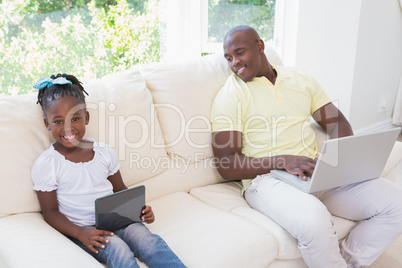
(180, 177)
(122, 115)
(183, 93)
(227, 196)
(23, 137)
(27, 237)
(204, 236)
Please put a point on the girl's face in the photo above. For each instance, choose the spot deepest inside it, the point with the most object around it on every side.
(66, 118)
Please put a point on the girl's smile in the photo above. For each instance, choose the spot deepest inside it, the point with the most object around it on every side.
(69, 138)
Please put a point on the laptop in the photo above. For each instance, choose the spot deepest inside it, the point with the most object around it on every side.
(118, 210)
(345, 161)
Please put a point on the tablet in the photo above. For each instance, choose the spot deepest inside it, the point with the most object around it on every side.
(118, 210)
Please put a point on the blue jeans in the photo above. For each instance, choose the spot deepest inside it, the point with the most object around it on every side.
(134, 241)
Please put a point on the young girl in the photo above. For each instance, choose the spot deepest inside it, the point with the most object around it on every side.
(74, 171)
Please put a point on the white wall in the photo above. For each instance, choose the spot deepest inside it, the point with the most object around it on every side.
(378, 65)
(354, 49)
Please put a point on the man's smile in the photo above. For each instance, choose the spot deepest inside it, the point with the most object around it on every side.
(240, 70)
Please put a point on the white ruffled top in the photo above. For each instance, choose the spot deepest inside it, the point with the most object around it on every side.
(78, 185)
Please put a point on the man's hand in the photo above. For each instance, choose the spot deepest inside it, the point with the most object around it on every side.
(148, 215)
(299, 165)
(92, 238)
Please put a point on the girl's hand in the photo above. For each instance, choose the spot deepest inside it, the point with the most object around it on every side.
(148, 215)
(92, 238)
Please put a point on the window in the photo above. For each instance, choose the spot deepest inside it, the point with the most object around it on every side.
(197, 27)
(92, 38)
(223, 15)
(87, 38)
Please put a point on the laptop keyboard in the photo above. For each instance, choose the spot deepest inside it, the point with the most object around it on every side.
(307, 180)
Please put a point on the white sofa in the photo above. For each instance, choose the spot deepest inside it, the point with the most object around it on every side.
(156, 118)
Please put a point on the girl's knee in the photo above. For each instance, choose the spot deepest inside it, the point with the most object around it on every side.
(117, 253)
(137, 229)
(117, 247)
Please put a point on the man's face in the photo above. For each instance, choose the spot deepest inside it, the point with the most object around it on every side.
(243, 55)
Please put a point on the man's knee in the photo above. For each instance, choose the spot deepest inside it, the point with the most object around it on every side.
(314, 226)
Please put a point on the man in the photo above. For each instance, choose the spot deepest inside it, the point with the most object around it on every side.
(260, 121)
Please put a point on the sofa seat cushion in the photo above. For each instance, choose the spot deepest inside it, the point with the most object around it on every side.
(227, 196)
(204, 236)
(26, 237)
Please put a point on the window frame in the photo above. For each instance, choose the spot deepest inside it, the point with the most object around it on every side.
(285, 30)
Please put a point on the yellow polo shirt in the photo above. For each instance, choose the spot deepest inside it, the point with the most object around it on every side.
(273, 119)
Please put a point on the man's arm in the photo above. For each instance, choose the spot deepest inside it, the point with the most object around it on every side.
(333, 121)
(233, 165)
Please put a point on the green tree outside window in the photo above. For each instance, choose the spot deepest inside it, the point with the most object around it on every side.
(86, 38)
(223, 15)
(92, 38)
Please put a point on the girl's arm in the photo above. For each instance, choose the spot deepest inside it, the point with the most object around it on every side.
(90, 237)
(117, 182)
(118, 185)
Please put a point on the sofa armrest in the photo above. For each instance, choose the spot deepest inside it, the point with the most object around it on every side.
(393, 168)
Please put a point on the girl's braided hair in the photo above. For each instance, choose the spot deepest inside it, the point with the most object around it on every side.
(50, 93)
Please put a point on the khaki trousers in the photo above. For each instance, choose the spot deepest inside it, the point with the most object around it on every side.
(376, 204)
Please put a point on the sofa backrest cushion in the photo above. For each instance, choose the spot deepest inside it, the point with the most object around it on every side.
(23, 138)
(183, 94)
(122, 115)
